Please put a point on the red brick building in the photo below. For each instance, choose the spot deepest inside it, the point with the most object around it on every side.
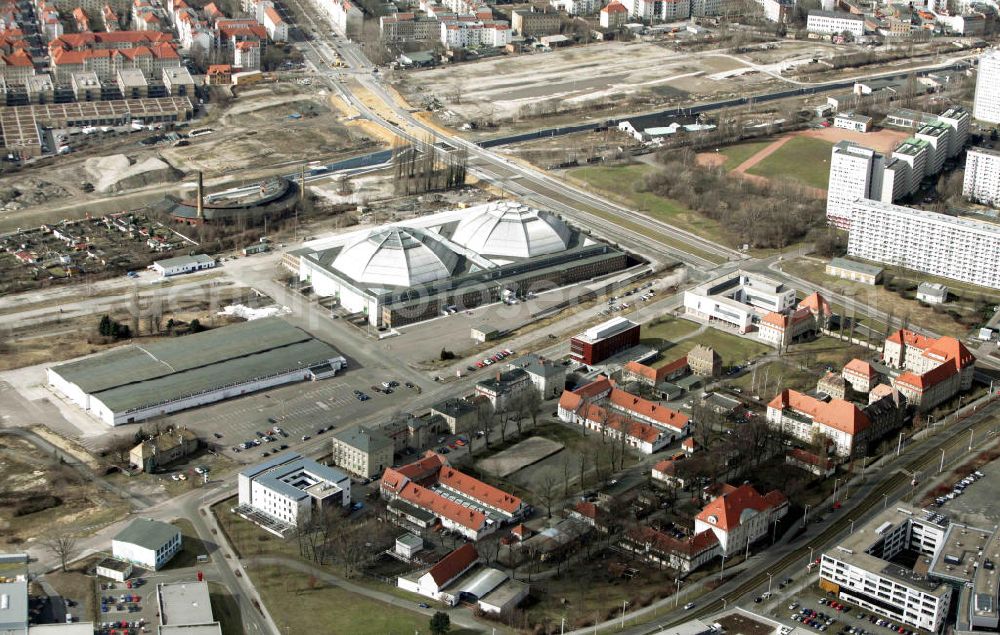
(600, 342)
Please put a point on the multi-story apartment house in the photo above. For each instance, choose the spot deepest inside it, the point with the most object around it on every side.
(855, 173)
(277, 28)
(605, 408)
(345, 16)
(16, 67)
(914, 152)
(806, 418)
(107, 62)
(935, 369)
(982, 176)
(462, 33)
(779, 329)
(505, 388)
(81, 20)
(861, 375)
(246, 55)
(577, 7)
(958, 119)
(938, 244)
(740, 516)
(535, 21)
(426, 492)
(862, 569)
(615, 15)
(777, 10)
(409, 27)
(835, 23)
(938, 138)
(362, 451)
(658, 10)
(111, 21)
(987, 102)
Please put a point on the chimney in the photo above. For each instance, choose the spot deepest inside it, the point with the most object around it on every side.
(201, 196)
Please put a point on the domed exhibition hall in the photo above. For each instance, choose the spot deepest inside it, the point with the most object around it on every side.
(415, 270)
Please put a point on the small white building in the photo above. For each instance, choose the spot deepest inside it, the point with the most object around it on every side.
(408, 545)
(147, 543)
(851, 121)
(183, 264)
(112, 569)
(932, 293)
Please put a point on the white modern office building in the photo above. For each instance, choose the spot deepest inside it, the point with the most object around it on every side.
(987, 104)
(285, 491)
(738, 299)
(982, 176)
(873, 568)
(941, 245)
(855, 173)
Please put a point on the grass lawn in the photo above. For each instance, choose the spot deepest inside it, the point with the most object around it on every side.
(191, 546)
(732, 348)
(802, 159)
(740, 152)
(247, 538)
(329, 609)
(664, 331)
(926, 316)
(619, 182)
(76, 585)
(225, 609)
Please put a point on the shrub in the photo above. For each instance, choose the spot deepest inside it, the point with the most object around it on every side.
(37, 503)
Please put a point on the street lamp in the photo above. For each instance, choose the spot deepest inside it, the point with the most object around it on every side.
(677, 590)
(769, 583)
(836, 483)
(972, 432)
(805, 516)
(885, 501)
(852, 525)
(941, 468)
(624, 604)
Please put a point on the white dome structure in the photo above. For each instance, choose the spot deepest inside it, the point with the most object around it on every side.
(511, 230)
(397, 256)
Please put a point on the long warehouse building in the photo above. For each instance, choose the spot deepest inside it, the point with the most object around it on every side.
(141, 381)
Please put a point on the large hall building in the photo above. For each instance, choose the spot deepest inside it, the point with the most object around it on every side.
(408, 272)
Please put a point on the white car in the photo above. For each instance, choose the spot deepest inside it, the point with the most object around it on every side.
(689, 606)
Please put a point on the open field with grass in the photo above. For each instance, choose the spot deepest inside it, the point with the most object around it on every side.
(619, 182)
(732, 348)
(740, 152)
(941, 319)
(664, 331)
(802, 159)
(76, 585)
(246, 538)
(301, 607)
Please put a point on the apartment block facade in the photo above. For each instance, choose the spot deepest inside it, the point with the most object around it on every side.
(855, 173)
(938, 244)
(982, 176)
(987, 102)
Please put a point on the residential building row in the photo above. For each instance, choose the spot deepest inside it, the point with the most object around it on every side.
(429, 493)
(947, 246)
(858, 172)
(603, 407)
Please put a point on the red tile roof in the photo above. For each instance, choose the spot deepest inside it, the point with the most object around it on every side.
(816, 304)
(916, 340)
(666, 466)
(860, 367)
(18, 58)
(477, 490)
(727, 510)
(643, 407)
(809, 458)
(775, 319)
(440, 506)
(571, 400)
(689, 444)
(615, 7)
(666, 544)
(109, 40)
(453, 564)
(587, 510)
(836, 413)
(273, 15)
(656, 375)
(617, 421)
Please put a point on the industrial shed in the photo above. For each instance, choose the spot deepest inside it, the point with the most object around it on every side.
(141, 381)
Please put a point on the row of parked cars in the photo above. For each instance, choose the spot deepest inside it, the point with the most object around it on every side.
(959, 488)
(492, 359)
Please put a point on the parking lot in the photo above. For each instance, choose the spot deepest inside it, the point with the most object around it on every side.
(299, 410)
(838, 619)
(974, 503)
(126, 608)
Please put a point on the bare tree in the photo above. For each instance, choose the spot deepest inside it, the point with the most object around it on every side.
(485, 419)
(119, 448)
(547, 483)
(63, 546)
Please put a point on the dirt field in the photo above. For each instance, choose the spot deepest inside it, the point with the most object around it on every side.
(882, 140)
(28, 481)
(505, 87)
(521, 455)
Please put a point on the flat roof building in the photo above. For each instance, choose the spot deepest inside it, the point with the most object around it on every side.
(941, 245)
(854, 271)
(147, 543)
(136, 382)
(287, 490)
(183, 264)
(184, 603)
(738, 299)
(604, 340)
(981, 182)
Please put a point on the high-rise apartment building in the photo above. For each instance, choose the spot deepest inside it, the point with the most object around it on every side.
(982, 176)
(938, 244)
(987, 104)
(855, 173)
